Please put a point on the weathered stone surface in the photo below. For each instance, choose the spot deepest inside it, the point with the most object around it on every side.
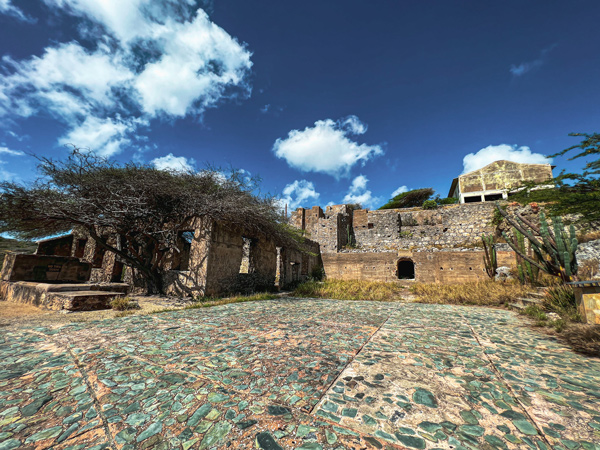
(298, 374)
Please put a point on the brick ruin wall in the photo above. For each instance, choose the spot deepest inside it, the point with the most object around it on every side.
(444, 244)
(339, 229)
(453, 226)
(429, 266)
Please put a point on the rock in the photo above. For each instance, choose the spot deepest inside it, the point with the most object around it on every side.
(503, 274)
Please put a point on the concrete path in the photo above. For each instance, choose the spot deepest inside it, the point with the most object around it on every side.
(298, 374)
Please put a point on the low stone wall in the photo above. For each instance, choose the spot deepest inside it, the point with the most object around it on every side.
(429, 266)
(455, 266)
(58, 269)
(70, 297)
(587, 296)
(361, 266)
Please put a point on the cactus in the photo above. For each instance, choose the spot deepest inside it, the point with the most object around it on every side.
(528, 273)
(554, 254)
(489, 257)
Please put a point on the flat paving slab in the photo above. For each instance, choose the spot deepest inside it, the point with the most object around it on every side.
(298, 374)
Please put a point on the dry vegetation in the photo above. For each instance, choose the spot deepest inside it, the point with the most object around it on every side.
(583, 338)
(482, 293)
(351, 290)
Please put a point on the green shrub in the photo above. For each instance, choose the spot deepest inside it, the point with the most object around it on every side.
(561, 300)
(317, 273)
(430, 204)
(447, 201)
(409, 199)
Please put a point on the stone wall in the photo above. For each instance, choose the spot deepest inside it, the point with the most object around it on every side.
(455, 266)
(361, 266)
(58, 246)
(429, 266)
(451, 226)
(44, 268)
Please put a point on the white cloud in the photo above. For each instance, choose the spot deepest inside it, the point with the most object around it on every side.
(8, 151)
(299, 193)
(6, 7)
(491, 153)
(326, 147)
(400, 190)
(17, 136)
(106, 136)
(358, 193)
(525, 67)
(174, 163)
(153, 58)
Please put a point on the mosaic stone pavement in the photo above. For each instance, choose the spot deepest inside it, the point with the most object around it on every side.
(298, 374)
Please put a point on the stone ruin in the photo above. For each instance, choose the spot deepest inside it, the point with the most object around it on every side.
(441, 245)
(71, 272)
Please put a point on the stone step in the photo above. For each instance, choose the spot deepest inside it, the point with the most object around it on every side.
(80, 300)
(537, 294)
(516, 306)
(529, 301)
(72, 287)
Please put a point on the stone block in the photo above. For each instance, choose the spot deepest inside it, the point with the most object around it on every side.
(45, 268)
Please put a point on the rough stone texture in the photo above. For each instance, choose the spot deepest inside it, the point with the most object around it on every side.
(430, 266)
(589, 251)
(367, 245)
(393, 229)
(298, 374)
(18, 267)
(71, 297)
(361, 266)
(208, 265)
(455, 266)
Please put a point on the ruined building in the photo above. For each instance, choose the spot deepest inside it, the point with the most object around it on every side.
(440, 245)
(213, 259)
(497, 180)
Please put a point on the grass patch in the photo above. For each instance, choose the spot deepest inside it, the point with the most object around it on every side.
(124, 304)
(207, 302)
(561, 300)
(482, 293)
(350, 290)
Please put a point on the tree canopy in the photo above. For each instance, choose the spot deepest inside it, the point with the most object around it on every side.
(575, 193)
(146, 206)
(409, 199)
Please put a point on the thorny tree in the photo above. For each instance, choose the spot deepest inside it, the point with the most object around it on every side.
(147, 207)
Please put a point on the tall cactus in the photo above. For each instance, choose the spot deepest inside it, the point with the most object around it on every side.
(528, 273)
(489, 257)
(555, 253)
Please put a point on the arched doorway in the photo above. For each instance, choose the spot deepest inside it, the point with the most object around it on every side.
(406, 269)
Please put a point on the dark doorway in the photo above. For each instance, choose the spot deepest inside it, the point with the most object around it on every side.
(406, 269)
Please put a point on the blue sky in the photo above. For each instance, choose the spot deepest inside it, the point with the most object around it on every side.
(328, 101)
